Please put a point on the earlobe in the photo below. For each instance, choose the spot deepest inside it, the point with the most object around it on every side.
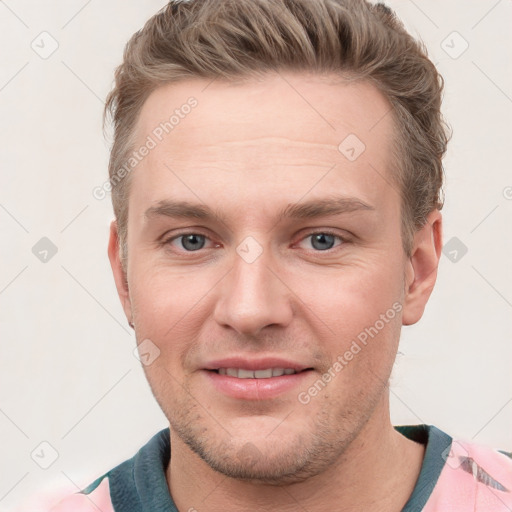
(118, 271)
(421, 271)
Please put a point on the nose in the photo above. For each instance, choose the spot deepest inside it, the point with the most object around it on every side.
(253, 297)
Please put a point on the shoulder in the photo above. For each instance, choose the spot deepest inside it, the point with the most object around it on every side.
(91, 499)
(475, 474)
(148, 463)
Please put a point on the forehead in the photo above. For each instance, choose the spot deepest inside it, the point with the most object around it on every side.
(283, 130)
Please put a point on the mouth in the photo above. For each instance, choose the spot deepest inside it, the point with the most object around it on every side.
(268, 373)
(257, 380)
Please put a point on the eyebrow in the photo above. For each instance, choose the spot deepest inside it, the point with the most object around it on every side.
(303, 210)
(323, 207)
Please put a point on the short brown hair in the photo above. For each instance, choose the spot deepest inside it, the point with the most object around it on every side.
(233, 39)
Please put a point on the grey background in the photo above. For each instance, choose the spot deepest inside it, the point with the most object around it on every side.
(68, 376)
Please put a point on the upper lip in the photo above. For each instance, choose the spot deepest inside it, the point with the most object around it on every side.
(255, 363)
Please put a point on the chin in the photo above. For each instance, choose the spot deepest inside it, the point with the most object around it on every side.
(263, 449)
(269, 463)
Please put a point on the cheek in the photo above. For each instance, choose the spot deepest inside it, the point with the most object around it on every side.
(167, 305)
(353, 298)
(163, 291)
(166, 309)
(356, 317)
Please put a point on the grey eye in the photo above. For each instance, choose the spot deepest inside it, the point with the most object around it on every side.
(192, 242)
(322, 241)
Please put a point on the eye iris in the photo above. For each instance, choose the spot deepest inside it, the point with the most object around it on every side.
(322, 238)
(192, 242)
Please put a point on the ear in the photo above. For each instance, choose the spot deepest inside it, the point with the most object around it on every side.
(421, 269)
(120, 276)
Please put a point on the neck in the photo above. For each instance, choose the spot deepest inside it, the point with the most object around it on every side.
(378, 469)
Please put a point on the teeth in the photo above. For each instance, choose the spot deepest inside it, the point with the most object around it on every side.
(262, 374)
(256, 374)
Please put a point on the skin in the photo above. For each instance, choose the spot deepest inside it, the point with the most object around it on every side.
(247, 151)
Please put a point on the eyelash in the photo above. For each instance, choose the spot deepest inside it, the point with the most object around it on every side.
(343, 240)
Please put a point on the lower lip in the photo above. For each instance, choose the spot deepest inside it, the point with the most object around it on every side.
(255, 389)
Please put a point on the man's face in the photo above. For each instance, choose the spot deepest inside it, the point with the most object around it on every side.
(268, 279)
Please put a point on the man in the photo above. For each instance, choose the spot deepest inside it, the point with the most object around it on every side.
(276, 174)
